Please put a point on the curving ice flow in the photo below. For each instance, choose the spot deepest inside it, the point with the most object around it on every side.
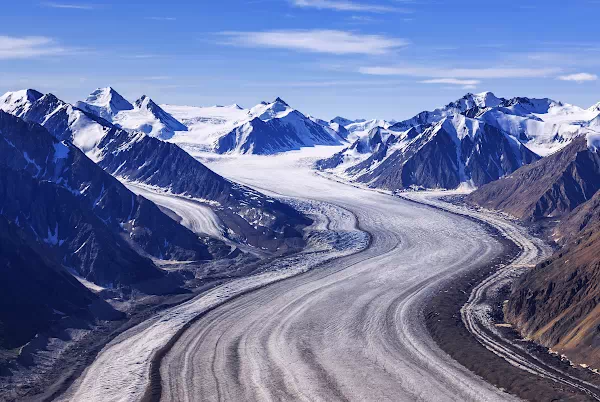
(352, 329)
(195, 216)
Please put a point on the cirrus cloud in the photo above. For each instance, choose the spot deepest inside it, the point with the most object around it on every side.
(450, 81)
(344, 5)
(26, 47)
(318, 41)
(465, 84)
(458, 73)
(69, 6)
(579, 77)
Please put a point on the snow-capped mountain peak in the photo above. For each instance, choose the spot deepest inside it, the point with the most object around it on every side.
(105, 102)
(279, 100)
(149, 118)
(268, 111)
(523, 105)
(481, 100)
(594, 108)
(18, 102)
(144, 102)
(487, 99)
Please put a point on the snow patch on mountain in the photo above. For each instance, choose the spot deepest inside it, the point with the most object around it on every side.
(150, 119)
(544, 125)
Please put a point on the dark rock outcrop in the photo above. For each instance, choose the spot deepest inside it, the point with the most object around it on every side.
(553, 186)
(556, 304)
(88, 218)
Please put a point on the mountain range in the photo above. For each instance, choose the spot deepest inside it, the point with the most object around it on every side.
(70, 220)
(75, 226)
(469, 142)
(265, 129)
(136, 157)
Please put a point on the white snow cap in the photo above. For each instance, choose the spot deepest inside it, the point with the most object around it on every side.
(595, 108)
(593, 141)
(144, 102)
(105, 102)
(487, 99)
(19, 101)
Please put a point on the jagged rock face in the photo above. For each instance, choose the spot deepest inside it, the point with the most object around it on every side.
(148, 160)
(556, 304)
(430, 161)
(89, 219)
(36, 293)
(553, 186)
(580, 219)
(373, 143)
(456, 150)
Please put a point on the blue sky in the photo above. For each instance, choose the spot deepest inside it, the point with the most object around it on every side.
(357, 58)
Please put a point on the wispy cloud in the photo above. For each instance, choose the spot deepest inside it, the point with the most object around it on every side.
(579, 77)
(69, 6)
(322, 84)
(156, 78)
(458, 73)
(320, 41)
(161, 18)
(465, 84)
(345, 5)
(12, 47)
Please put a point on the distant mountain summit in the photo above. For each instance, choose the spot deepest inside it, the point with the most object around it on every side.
(342, 121)
(272, 128)
(105, 103)
(462, 105)
(19, 102)
(144, 115)
(474, 140)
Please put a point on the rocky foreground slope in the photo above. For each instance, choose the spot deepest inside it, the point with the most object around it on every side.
(557, 302)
